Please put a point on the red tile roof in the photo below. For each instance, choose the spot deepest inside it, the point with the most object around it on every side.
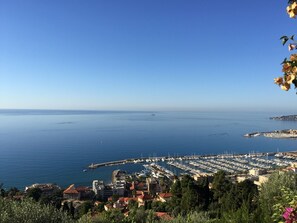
(165, 195)
(83, 189)
(126, 199)
(70, 190)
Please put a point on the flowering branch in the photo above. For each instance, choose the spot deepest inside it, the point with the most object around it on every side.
(289, 65)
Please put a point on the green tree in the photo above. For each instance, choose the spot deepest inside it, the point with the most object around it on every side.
(185, 182)
(245, 192)
(12, 192)
(2, 191)
(248, 194)
(137, 215)
(189, 200)
(241, 215)
(115, 216)
(159, 206)
(34, 193)
(151, 217)
(84, 208)
(204, 194)
(31, 212)
(54, 199)
(132, 204)
(99, 218)
(192, 217)
(271, 192)
(175, 201)
(100, 207)
(220, 185)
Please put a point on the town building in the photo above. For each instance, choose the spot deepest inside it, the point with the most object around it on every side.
(257, 171)
(164, 197)
(103, 191)
(71, 193)
(153, 185)
(78, 193)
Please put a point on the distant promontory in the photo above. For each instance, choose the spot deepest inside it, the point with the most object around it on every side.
(285, 118)
(282, 134)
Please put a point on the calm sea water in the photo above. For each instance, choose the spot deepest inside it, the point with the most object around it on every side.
(55, 146)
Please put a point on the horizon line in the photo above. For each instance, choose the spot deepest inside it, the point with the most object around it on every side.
(142, 110)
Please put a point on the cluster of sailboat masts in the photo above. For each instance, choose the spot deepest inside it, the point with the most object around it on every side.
(231, 165)
(159, 171)
(212, 164)
(193, 157)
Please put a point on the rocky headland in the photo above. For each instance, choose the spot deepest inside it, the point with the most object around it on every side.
(283, 134)
(285, 118)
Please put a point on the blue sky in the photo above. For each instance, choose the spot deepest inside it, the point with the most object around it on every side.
(143, 55)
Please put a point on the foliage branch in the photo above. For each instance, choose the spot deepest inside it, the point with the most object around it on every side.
(289, 65)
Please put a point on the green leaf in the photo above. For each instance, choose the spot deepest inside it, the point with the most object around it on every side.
(284, 61)
(284, 41)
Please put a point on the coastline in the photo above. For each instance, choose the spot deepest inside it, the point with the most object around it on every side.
(279, 134)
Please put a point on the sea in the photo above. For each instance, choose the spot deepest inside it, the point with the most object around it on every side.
(55, 146)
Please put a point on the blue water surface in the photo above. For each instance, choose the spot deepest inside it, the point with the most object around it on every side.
(38, 146)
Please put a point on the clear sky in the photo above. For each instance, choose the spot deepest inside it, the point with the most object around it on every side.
(143, 54)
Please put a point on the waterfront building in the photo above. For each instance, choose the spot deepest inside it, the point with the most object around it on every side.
(119, 188)
(118, 175)
(103, 191)
(98, 187)
(100, 190)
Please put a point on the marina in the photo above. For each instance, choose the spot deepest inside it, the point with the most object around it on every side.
(209, 164)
